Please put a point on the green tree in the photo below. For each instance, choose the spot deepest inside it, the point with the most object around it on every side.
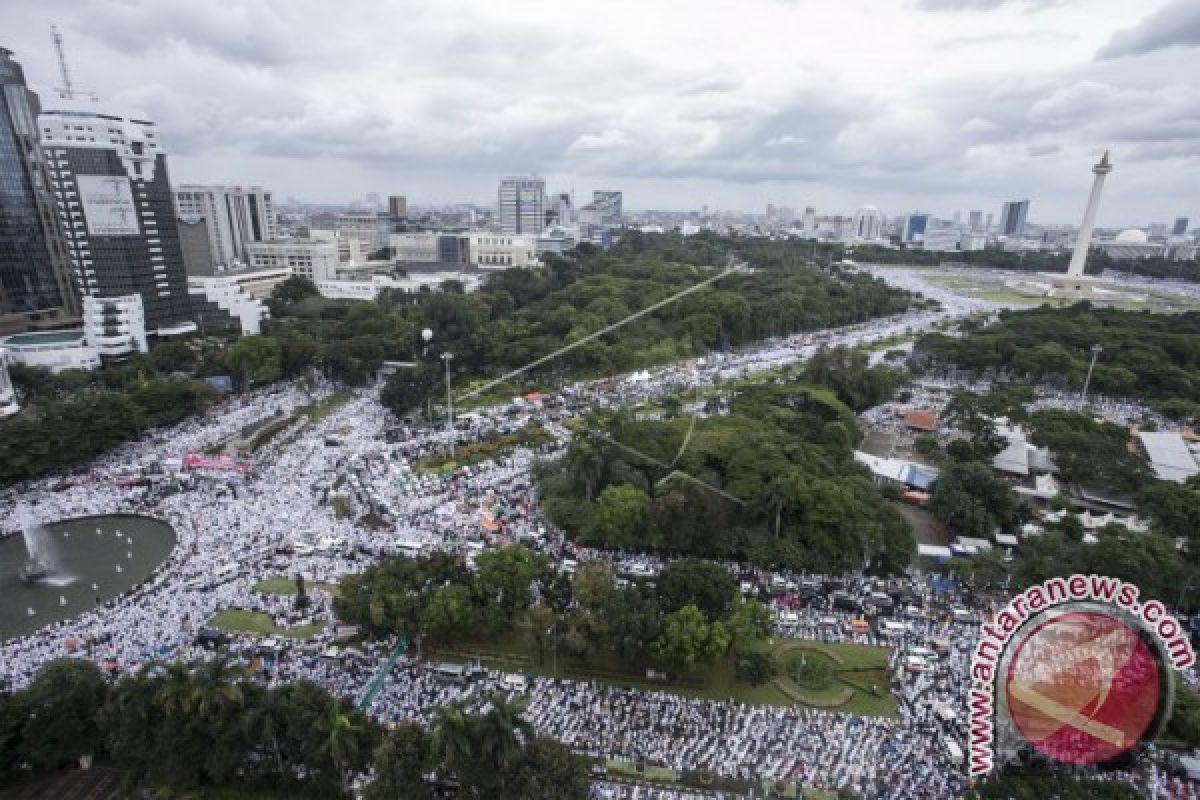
(688, 641)
(449, 614)
(547, 770)
(701, 584)
(401, 764)
(973, 501)
(255, 360)
(61, 706)
(620, 515)
(749, 623)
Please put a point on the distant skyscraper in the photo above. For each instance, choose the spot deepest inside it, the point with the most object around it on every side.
(1180, 227)
(868, 224)
(35, 271)
(114, 194)
(234, 216)
(398, 206)
(987, 223)
(957, 217)
(608, 204)
(1012, 217)
(522, 205)
(564, 211)
(810, 219)
(914, 227)
(975, 220)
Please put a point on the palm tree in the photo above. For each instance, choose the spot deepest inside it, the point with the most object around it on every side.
(341, 743)
(175, 691)
(454, 739)
(502, 733)
(265, 722)
(215, 688)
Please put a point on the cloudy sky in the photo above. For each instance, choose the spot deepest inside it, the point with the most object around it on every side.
(941, 105)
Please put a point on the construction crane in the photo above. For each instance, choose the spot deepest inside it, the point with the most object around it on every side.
(67, 91)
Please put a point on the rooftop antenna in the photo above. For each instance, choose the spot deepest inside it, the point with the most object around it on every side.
(67, 91)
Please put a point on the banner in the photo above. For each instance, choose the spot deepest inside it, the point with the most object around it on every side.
(223, 462)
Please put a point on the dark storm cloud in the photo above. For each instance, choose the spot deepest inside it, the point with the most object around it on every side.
(1176, 24)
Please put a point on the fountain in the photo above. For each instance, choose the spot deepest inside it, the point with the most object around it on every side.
(38, 562)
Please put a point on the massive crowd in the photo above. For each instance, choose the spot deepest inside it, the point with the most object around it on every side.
(326, 497)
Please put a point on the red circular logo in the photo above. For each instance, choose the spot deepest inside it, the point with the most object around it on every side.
(1083, 687)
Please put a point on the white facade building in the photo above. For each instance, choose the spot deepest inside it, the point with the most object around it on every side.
(522, 205)
(314, 259)
(420, 248)
(370, 289)
(370, 230)
(115, 326)
(53, 350)
(229, 295)
(868, 224)
(495, 251)
(8, 396)
(234, 216)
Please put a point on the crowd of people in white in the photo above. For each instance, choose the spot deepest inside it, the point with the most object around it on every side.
(279, 519)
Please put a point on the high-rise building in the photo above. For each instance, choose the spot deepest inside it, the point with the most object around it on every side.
(975, 220)
(987, 223)
(233, 215)
(564, 211)
(522, 205)
(114, 197)
(36, 283)
(868, 224)
(1180, 227)
(608, 205)
(398, 206)
(914, 227)
(1012, 217)
(810, 219)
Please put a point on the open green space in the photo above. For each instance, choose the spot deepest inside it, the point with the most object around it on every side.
(861, 667)
(476, 452)
(326, 406)
(284, 585)
(236, 620)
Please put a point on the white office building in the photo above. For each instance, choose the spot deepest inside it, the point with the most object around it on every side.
(315, 259)
(522, 205)
(231, 296)
(416, 248)
(868, 224)
(8, 395)
(115, 326)
(496, 251)
(235, 216)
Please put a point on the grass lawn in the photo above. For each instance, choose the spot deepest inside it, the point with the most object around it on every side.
(468, 454)
(236, 620)
(323, 408)
(861, 667)
(284, 585)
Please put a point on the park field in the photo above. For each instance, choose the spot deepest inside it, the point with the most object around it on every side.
(859, 685)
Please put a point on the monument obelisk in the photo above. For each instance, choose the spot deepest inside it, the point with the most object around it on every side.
(1084, 240)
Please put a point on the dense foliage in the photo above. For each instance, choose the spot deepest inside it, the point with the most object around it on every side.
(1017, 786)
(772, 483)
(58, 432)
(691, 616)
(523, 315)
(1152, 357)
(494, 754)
(177, 728)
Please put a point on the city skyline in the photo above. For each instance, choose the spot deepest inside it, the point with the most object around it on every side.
(979, 101)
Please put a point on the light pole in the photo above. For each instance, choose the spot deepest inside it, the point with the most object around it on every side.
(449, 402)
(426, 337)
(1096, 350)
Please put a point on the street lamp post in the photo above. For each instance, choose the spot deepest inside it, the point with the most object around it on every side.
(449, 402)
(1096, 350)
